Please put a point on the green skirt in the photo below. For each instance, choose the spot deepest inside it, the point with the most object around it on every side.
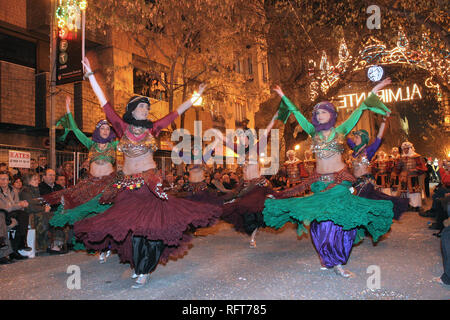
(64, 217)
(338, 205)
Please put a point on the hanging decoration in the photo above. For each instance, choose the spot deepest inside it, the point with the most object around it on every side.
(375, 53)
(68, 18)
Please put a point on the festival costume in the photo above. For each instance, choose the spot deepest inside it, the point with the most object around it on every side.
(144, 224)
(409, 167)
(337, 217)
(295, 171)
(365, 184)
(245, 212)
(82, 200)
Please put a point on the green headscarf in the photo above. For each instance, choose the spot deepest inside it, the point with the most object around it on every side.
(364, 139)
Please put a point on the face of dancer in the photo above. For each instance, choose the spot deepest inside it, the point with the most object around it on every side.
(141, 111)
(323, 116)
(357, 140)
(105, 130)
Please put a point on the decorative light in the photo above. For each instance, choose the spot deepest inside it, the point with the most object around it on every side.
(196, 99)
(375, 73)
(297, 147)
(68, 15)
(375, 52)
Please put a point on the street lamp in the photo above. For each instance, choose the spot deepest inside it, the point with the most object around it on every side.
(196, 99)
(297, 147)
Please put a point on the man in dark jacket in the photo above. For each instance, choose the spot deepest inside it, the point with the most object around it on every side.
(47, 186)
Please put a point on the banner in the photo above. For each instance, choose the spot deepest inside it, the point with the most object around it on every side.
(19, 159)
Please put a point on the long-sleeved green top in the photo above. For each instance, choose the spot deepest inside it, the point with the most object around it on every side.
(372, 103)
(95, 153)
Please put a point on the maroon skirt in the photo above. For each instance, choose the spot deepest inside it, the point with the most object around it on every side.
(82, 192)
(245, 213)
(139, 212)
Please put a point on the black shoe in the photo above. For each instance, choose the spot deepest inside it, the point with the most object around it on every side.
(17, 256)
(437, 234)
(5, 260)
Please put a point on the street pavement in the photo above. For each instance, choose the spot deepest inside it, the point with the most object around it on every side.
(222, 266)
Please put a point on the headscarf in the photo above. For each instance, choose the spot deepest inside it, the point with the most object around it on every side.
(96, 137)
(328, 106)
(364, 135)
(131, 105)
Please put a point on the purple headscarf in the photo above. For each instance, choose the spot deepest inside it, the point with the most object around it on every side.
(96, 135)
(328, 106)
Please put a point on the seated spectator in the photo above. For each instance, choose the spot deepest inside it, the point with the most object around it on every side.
(10, 202)
(40, 213)
(5, 245)
(61, 181)
(47, 186)
(17, 184)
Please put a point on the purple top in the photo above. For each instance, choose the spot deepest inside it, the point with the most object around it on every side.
(370, 150)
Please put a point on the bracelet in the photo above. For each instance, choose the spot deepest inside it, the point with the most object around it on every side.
(88, 74)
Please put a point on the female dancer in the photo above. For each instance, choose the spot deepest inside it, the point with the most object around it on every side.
(365, 184)
(82, 200)
(245, 212)
(334, 213)
(144, 224)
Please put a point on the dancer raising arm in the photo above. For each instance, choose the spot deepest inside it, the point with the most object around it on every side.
(144, 224)
(335, 214)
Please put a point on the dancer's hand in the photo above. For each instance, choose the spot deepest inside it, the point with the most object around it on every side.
(68, 104)
(86, 64)
(278, 90)
(382, 84)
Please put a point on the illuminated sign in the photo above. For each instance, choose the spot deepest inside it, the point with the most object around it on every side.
(408, 93)
(69, 42)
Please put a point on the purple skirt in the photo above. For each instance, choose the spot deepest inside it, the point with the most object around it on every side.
(139, 212)
(369, 192)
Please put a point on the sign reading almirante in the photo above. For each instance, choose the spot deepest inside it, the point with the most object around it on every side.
(352, 100)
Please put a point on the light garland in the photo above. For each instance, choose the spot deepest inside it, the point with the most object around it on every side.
(376, 53)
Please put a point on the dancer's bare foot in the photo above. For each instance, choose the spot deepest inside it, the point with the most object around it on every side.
(342, 272)
(252, 243)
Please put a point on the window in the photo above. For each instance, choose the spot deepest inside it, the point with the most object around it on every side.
(250, 65)
(264, 72)
(148, 85)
